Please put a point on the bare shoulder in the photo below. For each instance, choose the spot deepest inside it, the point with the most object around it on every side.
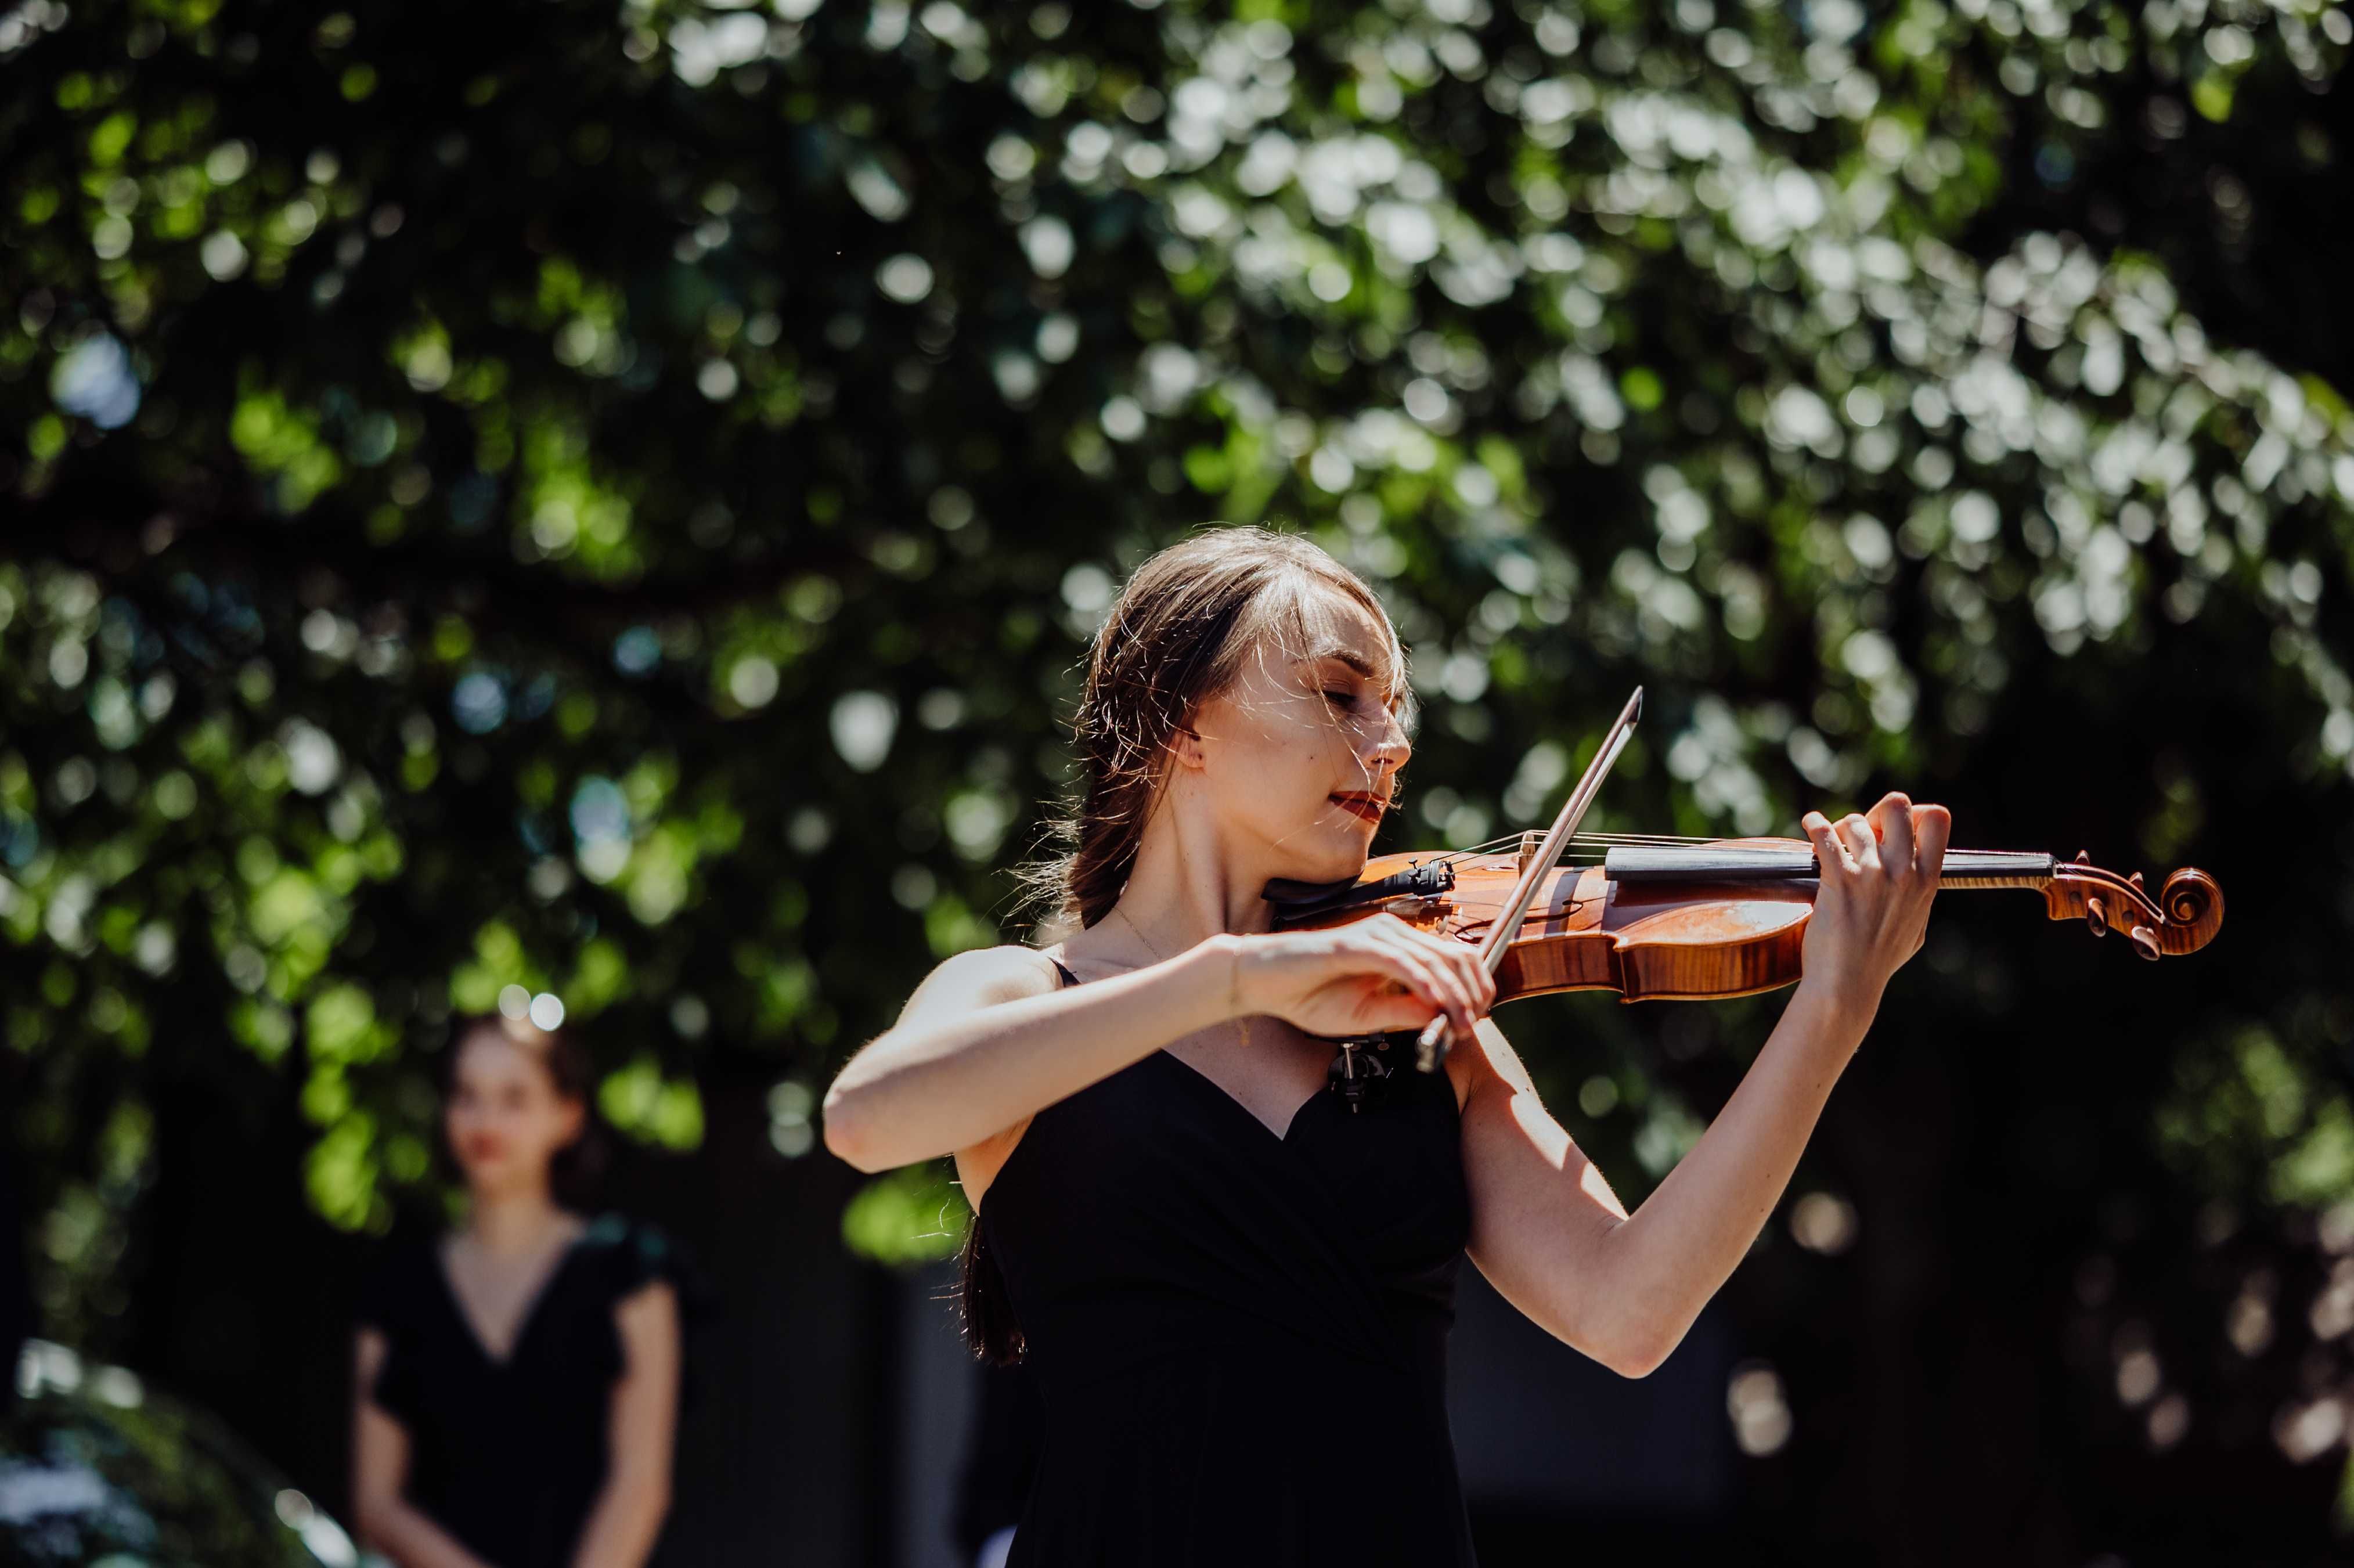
(984, 976)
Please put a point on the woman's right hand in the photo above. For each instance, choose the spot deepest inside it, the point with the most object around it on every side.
(1368, 977)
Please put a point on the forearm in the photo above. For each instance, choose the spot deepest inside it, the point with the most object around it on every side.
(410, 1537)
(622, 1528)
(922, 1090)
(1662, 1264)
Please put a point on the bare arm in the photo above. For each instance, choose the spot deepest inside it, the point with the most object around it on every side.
(1555, 1241)
(629, 1513)
(380, 1469)
(988, 1040)
(1546, 1228)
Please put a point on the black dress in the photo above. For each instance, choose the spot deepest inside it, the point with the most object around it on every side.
(509, 1455)
(1240, 1338)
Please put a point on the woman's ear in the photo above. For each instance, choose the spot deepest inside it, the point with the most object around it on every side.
(1185, 747)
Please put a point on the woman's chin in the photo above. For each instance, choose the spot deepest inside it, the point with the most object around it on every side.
(1329, 853)
(494, 1176)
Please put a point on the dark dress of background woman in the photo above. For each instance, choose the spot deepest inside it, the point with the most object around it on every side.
(1240, 1339)
(509, 1455)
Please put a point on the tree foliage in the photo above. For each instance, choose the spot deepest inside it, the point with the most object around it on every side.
(606, 501)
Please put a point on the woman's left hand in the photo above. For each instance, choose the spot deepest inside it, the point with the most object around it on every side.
(1880, 872)
(1545, 1229)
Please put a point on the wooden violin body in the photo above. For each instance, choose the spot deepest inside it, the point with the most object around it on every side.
(1701, 921)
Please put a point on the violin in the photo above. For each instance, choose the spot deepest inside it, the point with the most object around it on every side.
(1690, 919)
(1660, 917)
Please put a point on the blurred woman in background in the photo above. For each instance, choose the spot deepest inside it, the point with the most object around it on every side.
(517, 1379)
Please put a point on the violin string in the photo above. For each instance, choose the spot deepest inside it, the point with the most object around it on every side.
(1606, 840)
(1617, 839)
(1505, 840)
(1596, 856)
(1589, 850)
(1598, 837)
(1482, 847)
(1592, 860)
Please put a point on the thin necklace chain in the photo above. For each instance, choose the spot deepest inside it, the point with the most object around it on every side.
(1242, 1029)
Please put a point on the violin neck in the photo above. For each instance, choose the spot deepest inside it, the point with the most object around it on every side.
(1962, 868)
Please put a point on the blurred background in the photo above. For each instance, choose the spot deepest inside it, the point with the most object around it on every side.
(608, 498)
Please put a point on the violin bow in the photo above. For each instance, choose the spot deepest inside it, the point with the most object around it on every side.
(1431, 1046)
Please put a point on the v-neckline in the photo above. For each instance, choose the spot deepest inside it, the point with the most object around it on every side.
(539, 1294)
(1289, 1127)
(1068, 978)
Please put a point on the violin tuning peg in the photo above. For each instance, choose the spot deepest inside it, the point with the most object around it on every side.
(2084, 857)
(2096, 915)
(2134, 877)
(2145, 941)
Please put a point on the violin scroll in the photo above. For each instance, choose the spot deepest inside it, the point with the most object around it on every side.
(2182, 919)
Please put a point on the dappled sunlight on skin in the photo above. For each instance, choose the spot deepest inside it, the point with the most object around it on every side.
(1591, 1184)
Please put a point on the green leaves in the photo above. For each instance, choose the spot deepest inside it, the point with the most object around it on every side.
(910, 1216)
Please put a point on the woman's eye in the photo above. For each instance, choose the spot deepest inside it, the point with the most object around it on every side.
(1345, 699)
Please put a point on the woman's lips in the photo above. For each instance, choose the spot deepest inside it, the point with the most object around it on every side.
(1367, 807)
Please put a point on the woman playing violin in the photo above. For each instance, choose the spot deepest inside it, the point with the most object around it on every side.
(1236, 1295)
